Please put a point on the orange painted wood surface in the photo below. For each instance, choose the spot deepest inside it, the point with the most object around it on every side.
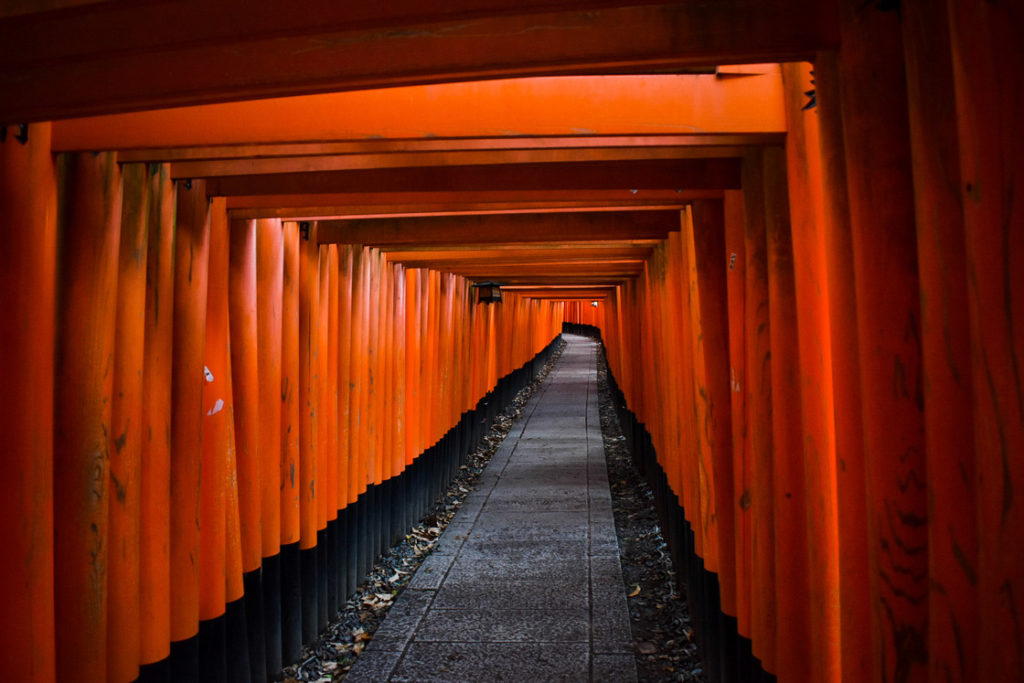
(760, 383)
(89, 239)
(269, 335)
(610, 106)
(155, 538)
(709, 245)
(243, 314)
(321, 383)
(873, 98)
(28, 206)
(233, 537)
(289, 391)
(123, 573)
(734, 226)
(217, 427)
(984, 43)
(953, 626)
(335, 483)
(346, 473)
(807, 220)
(398, 371)
(851, 497)
(414, 435)
(191, 268)
(357, 369)
(428, 49)
(308, 390)
(792, 552)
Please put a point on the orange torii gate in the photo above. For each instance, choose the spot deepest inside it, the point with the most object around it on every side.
(805, 290)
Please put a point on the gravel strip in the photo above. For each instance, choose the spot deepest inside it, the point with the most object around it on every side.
(658, 613)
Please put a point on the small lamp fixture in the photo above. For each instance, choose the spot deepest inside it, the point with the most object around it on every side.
(594, 304)
(488, 292)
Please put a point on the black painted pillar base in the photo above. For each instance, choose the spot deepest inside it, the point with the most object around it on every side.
(291, 603)
(236, 641)
(323, 550)
(352, 514)
(334, 574)
(185, 660)
(271, 585)
(309, 562)
(254, 628)
(212, 646)
(157, 672)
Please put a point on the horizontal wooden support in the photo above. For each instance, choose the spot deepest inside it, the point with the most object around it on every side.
(398, 203)
(619, 269)
(354, 162)
(519, 108)
(562, 291)
(502, 228)
(73, 139)
(315, 213)
(535, 253)
(140, 27)
(660, 174)
(495, 249)
(134, 56)
(541, 271)
(22, 8)
(559, 280)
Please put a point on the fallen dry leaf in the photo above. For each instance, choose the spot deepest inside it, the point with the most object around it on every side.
(636, 591)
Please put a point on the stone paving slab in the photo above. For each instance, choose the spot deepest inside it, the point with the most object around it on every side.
(459, 662)
(506, 626)
(539, 551)
(503, 593)
(431, 573)
(525, 584)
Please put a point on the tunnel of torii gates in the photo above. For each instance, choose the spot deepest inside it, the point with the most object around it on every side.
(242, 351)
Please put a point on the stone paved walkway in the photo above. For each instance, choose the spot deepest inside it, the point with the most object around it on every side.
(525, 583)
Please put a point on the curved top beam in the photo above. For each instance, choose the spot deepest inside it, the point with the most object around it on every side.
(131, 56)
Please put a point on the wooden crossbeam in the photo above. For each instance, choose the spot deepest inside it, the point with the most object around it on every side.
(69, 139)
(376, 121)
(354, 162)
(399, 203)
(563, 291)
(661, 174)
(500, 228)
(533, 253)
(133, 56)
